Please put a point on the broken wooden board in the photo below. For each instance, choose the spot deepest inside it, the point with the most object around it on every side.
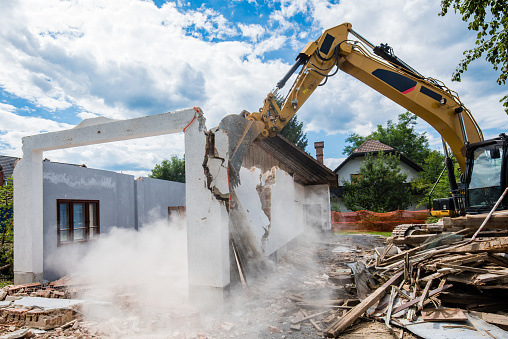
(496, 245)
(444, 314)
(336, 328)
(416, 300)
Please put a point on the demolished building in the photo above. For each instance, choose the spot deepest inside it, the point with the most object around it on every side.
(286, 183)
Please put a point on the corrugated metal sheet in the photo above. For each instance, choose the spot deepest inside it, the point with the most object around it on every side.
(278, 151)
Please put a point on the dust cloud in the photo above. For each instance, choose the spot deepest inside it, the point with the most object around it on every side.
(132, 280)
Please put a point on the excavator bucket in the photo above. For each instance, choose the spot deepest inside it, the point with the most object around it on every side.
(241, 133)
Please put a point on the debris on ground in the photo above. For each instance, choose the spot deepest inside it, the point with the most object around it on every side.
(335, 285)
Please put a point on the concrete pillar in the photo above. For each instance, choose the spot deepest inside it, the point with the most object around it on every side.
(207, 221)
(28, 226)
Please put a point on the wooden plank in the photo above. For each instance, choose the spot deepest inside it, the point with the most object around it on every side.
(497, 220)
(416, 300)
(496, 245)
(311, 321)
(444, 314)
(424, 295)
(470, 269)
(335, 329)
(309, 317)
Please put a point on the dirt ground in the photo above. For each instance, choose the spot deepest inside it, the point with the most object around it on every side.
(265, 311)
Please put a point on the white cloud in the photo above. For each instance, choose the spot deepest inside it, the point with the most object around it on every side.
(13, 127)
(127, 58)
(332, 163)
(252, 31)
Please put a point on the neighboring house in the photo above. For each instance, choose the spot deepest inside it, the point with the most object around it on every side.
(6, 168)
(80, 203)
(283, 192)
(349, 168)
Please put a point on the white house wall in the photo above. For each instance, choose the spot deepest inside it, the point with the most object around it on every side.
(353, 167)
(287, 220)
(275, 209)
(117, 198)
(317, 207)
(154, 197)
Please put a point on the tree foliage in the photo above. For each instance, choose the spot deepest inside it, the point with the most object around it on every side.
(380, 186)
(401, 135)
(293, 131)
(432, 168)
(489, 19)
(172, 170)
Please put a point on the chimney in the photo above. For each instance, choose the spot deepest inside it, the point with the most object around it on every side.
(319, 145)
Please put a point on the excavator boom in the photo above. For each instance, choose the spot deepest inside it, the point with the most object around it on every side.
(341, 48)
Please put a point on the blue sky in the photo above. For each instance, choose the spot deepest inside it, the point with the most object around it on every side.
(65, 61)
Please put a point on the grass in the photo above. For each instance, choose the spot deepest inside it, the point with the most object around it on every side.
(4, 283)
(384, 234)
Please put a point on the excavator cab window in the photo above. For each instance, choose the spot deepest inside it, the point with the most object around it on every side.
(485, 180)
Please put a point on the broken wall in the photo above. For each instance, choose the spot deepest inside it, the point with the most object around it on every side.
(317, 207)
(272, 210)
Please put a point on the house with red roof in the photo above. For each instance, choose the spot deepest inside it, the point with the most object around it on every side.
(348, 170)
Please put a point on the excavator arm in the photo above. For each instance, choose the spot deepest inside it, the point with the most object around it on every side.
(340, 48)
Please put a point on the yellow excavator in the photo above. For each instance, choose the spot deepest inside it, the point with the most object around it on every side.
(482, 162)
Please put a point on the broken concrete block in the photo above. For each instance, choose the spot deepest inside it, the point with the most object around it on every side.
(227, 326)
(12, 298)
(274, 329)
(296, 327)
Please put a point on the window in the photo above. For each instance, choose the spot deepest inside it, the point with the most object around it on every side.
(77, 220)
(176, 213)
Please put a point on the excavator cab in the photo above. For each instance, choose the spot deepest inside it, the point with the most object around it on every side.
(486, 175)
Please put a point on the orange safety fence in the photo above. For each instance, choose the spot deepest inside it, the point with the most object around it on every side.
(380, 222)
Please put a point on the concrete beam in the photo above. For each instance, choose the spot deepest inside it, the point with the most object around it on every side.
(113, 130)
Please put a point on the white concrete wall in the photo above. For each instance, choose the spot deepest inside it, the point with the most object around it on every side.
(287, 220)
(123, 202)
(317, 207)
(291, 207)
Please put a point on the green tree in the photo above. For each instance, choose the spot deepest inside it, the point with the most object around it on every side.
(6, 226)
(401, 135)
(432, 168)
(173, 170)
(293, 131)
(380, 186)
(489, 19)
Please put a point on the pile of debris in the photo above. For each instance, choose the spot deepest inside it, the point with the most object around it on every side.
(446, 283)
(338, 285)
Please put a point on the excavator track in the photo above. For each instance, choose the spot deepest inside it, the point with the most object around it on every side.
(401, 231)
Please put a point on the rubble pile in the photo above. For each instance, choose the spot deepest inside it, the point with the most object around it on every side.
(448, 282)
(346, 286)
